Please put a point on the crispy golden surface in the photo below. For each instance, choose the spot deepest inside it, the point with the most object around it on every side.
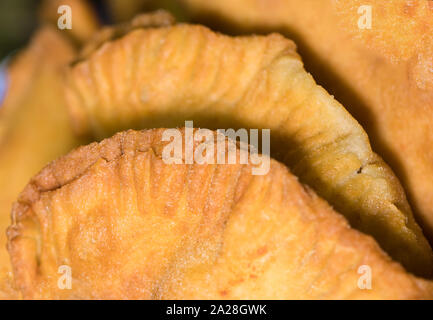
(383, 76)
(161, 77)
(159, 18)
(132, 227)
(34, 125)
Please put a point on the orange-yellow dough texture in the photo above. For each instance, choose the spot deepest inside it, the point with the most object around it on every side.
(160, 77)
(34, 125)
(382, 75)
(130, 226)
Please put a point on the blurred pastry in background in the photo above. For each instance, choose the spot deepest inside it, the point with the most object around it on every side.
(382, 75)
(127, 225)
(161, 77)
(34, 123)
(85, 20)
(125, 10)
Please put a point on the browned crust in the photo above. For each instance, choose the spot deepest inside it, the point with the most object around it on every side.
(392, 281)
(159, 18)
(58, 174)
(162, 76)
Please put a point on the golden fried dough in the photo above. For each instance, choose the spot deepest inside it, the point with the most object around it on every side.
(382, 75)
(34, 125)
(130, 226)
(159, 18)
(160, 77)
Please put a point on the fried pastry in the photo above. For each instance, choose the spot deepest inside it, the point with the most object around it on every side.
(124, 10)
(128, 225)
(34, 124)
(382, 75)
(160, 77)
(159, 18)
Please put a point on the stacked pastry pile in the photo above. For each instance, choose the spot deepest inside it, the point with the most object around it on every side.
(129, 224)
